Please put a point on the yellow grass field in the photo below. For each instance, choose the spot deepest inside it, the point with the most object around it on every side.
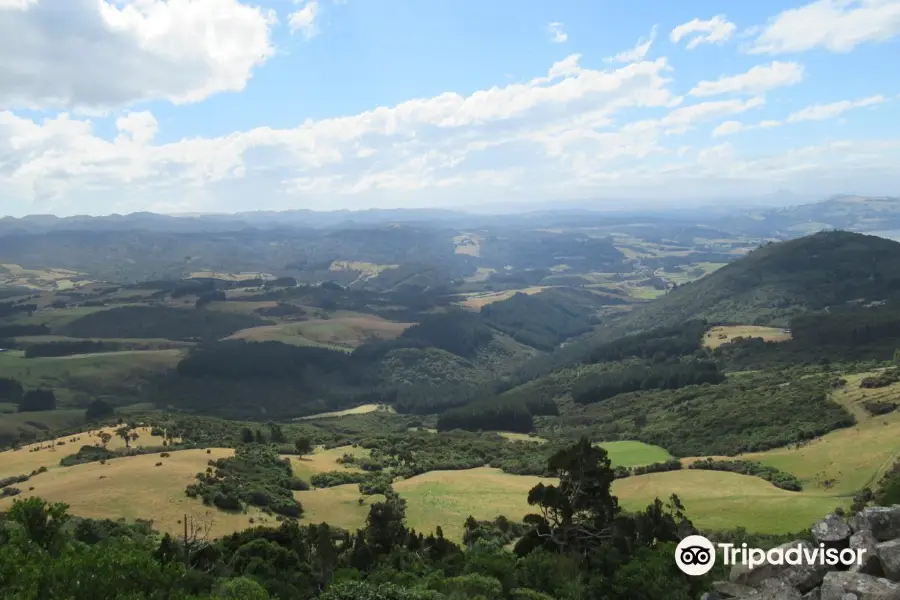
(23, 461)
(341, 332)
(41, 279)
(366, 270)
(133, 488)
(468, 243)
(522, 437)
(718, 336)
(480, 299)
(359, 410)
(229, 276)
(321, 461)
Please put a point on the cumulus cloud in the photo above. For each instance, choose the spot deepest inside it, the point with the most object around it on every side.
(97, 55)
(822, 112)
(557, 34)
(835, 25)
(716, 30)
(304, 19)
(639, 51)
(757, 80)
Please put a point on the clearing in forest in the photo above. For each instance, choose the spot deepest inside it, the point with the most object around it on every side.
(630, 453)
(724, 334)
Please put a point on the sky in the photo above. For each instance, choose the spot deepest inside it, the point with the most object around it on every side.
(185, 106)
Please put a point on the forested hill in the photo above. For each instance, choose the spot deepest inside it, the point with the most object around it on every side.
(779, 280)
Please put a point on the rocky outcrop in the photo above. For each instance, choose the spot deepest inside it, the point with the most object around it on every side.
(874, 530)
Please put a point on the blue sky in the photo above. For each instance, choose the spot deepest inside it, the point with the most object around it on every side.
(228, 105)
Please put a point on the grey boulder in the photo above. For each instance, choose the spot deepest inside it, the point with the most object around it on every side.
(802, 577)
(830, 530)
(865, 541)
(843, 585)
(889, 555)
(882, 521)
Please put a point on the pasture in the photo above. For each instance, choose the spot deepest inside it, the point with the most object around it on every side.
(717, 336)
(359, 410)
(134, 488)
(341, 332)
(720, 500)
(477, 300)
(447, 498)
(629, 453)
(26, 459)
(108, 370)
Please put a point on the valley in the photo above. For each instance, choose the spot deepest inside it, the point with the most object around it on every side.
(440, 377)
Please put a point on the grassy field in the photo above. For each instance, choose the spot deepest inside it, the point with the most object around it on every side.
(720, 335)
(478, 300)
(359, 410)
(447, 498)
(341, 332)
(134, 488)
(25, 460)
(57, 317)
(229, 276)
(720, 500)
(321, 461)
(122, 368)
(522, 437)
(40, 279)
(243, 307)
(13, 423)
(634, 454)
(468, 243)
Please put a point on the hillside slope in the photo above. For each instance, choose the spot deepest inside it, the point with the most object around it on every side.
(779, 280)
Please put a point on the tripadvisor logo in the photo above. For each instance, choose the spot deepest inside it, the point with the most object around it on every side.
(695, 555)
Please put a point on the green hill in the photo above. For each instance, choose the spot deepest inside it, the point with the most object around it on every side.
(779, 280)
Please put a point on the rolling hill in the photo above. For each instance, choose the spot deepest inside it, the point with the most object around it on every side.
(779, 280)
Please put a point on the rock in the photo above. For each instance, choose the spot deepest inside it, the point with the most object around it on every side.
(882, 521)
(710, 596)
(727, 589)
(889, 555)
(775, 589)
(815, 594)
(871, 565)
(802, 577)
(832, 531)
(844, 585)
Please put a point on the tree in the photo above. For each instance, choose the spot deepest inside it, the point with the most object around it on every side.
(105, 436)
(577, 515)
(98, 410)
(10, 390)
(303, 446)
(42, 521)
(124, 432)
(38, 400)
(247, 435)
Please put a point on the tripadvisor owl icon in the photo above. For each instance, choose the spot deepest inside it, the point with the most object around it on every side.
(695, 555)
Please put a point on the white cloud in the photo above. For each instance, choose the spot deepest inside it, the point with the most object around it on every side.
(490, 139)
(822, 112)
(639, 52)
(835, 25)
(757, 80)
(17, 4)
(557, 34)
(304, 19)
(96, 54)
(728, 128)
(717, 30)
(682, 119)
